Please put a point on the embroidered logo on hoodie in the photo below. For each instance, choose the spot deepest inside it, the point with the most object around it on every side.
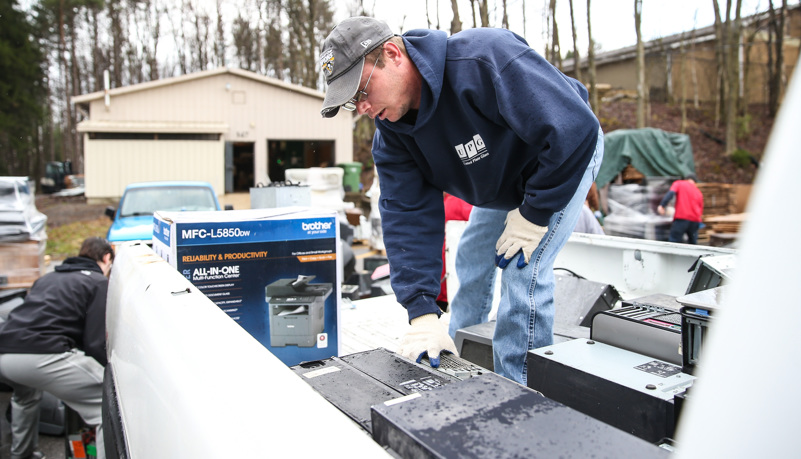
(472, 151)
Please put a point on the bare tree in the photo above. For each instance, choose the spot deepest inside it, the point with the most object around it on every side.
(505, 17)
(776, 75)
(576, 55)
(245, 43)
(200, 40)
(175, 16)
(154, 24)
(309, 24)
(98, 58)
(275, 61)
(428, 17)
(473, 12)
(456, 23)
(683, 72)
(640, 65)
(117, 43)
(728, 34)
(483, 12)
(219, 41)
(133, 49)
(591, 64)
(694, 69)
(555, 53)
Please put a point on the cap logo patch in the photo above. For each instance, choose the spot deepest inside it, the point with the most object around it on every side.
(366, 43)
(327, 62)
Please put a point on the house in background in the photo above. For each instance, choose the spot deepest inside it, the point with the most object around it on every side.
(230, 127)
(688, 60)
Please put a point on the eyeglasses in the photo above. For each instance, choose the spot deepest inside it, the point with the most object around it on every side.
(360, 95)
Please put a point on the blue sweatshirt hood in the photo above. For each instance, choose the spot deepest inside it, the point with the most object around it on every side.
(427, 49)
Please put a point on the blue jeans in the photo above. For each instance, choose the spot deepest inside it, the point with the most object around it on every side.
(525, 311)
(681, 227)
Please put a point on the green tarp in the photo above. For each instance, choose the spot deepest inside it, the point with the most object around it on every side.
(653, 152)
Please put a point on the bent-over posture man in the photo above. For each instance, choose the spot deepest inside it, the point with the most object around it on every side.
(482, 116)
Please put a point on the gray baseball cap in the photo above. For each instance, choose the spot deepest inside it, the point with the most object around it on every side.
(342, 58)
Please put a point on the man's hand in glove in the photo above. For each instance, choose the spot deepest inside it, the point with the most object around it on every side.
(519, 234)
(427, 336)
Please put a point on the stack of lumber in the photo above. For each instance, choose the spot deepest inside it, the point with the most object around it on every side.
(725, 223)
(716, 198)
(723, 229)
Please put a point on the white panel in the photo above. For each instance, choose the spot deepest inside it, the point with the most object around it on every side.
(192, 383)
(113, 164)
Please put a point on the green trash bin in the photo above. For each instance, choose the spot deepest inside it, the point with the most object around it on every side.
(352, 176)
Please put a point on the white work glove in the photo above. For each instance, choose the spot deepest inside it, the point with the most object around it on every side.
(519, 234)
(427, 336)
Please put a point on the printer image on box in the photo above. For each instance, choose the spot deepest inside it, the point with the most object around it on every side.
(297, 311)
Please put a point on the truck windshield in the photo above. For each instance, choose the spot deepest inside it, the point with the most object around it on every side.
(145, 201)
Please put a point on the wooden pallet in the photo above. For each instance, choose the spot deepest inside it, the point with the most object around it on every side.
(21, 263)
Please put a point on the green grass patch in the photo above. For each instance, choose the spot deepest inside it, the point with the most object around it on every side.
(65, 240)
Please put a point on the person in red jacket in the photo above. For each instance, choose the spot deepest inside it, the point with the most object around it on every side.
(689, 209)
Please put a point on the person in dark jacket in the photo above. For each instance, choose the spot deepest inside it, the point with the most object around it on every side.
(482, 116)
(56, 342)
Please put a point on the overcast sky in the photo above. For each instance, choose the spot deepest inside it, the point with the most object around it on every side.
(612, 20)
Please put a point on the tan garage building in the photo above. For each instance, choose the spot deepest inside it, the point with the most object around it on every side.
(230, 127)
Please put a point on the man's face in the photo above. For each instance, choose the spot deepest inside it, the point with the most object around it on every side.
(387, 93)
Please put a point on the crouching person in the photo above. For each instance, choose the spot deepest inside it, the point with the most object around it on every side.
(56, 342)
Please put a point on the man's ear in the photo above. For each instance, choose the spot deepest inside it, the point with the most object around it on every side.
(392, 52)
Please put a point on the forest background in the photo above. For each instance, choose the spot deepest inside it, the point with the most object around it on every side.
(52, 50)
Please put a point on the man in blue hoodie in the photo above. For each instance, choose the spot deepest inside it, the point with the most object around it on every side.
(485, 118)
(55, 341)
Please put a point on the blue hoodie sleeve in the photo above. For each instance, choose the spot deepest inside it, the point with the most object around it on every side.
(413, 223)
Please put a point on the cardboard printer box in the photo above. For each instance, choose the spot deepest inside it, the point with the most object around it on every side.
(273, 271)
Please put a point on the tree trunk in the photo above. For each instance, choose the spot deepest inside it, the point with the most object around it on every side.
(775, 66)
(428, 17)
(640, 65)
(694, 72)
(591, 65)
(456, 23)
(65, 76)
(483, 11)
(733, 70)
(721, 82)
(472, 12)
(683, 71)
(219, 43)
(556, 51)
(576, 55)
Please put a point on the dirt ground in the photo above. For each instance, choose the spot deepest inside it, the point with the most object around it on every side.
(64, 210)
